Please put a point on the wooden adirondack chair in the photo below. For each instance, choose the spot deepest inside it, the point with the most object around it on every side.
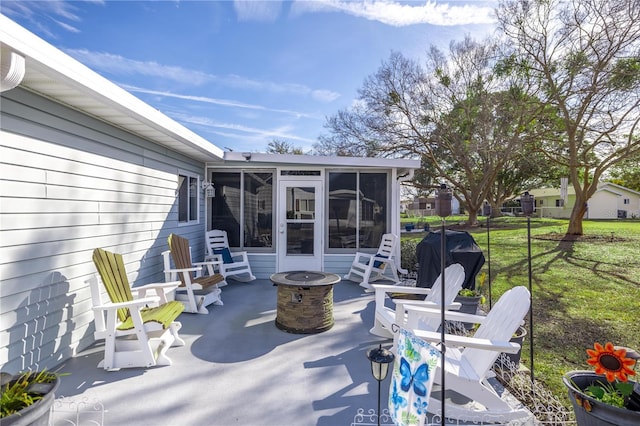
(232, 264)
(385, 317)
(137, 332)
(367, 267)
(196, 290)
(468, 360)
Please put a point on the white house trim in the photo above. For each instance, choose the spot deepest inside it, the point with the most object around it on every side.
(405, 165)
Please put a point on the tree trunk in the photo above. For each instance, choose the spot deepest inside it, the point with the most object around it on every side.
(473, 217)
(577, 214)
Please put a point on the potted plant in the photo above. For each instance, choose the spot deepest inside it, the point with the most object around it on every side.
(606, 396)
(470, 299)
(27, 397)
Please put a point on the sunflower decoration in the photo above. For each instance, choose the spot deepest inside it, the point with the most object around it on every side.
(611, 361)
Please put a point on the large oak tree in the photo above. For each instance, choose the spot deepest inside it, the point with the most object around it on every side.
(457, 114)
(582, 58)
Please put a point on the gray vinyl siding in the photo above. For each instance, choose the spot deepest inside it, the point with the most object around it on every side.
(68, 184)
(263, 265)
(338, 263)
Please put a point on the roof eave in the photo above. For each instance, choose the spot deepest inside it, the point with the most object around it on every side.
(56, 75)
(258, 158)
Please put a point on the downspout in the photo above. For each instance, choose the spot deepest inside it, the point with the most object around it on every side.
(12, 69)
(407, 177)
(400, 180)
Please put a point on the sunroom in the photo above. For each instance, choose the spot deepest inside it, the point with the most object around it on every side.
(292, 212)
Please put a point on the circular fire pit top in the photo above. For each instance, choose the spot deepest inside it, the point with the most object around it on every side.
(304, 278)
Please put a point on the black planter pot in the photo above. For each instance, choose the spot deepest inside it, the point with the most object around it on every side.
(505, 361)
(590, 411)
(39, 413)
(469, 305)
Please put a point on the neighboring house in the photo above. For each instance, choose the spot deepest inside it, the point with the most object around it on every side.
(610, 201)
(85, 164)
(426, 206)
(421, 206)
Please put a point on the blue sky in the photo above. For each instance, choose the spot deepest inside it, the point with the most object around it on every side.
(244, 73)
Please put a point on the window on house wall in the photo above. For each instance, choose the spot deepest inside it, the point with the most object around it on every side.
(187, 198)
(243, 206)
(357, 209)
(626, 201)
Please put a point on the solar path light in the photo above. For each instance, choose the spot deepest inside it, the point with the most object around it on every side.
(380, 359)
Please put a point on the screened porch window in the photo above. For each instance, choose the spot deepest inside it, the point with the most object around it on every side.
(187, 198)
(244, 206)
(358, 213)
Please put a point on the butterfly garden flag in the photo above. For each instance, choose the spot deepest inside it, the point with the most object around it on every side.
(411, 380)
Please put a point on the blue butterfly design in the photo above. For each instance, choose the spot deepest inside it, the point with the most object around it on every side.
(397, 400)
(417, 379)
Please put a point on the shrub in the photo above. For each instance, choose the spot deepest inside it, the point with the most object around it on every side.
(409, 260)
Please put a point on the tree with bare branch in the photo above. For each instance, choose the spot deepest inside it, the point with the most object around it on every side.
(582, 58)
(277, 146)
(458, 115)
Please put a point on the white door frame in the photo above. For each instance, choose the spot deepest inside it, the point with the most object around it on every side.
(302, 256)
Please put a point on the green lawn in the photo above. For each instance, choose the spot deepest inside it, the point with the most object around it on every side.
(584, 291)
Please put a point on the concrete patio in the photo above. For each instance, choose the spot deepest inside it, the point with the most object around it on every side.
(238, 368)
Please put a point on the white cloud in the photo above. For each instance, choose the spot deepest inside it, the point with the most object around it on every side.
(240, 130)
(56, 11)
(397, 14)
(252, 10)
(215, 101)
(119, 65)
(67, 27)
(325, 95)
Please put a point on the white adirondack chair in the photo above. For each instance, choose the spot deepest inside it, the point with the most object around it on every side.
(137, 331)
(468, 360)
(386, 317)
(196, 290)
(367, 267)
(233, 264)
